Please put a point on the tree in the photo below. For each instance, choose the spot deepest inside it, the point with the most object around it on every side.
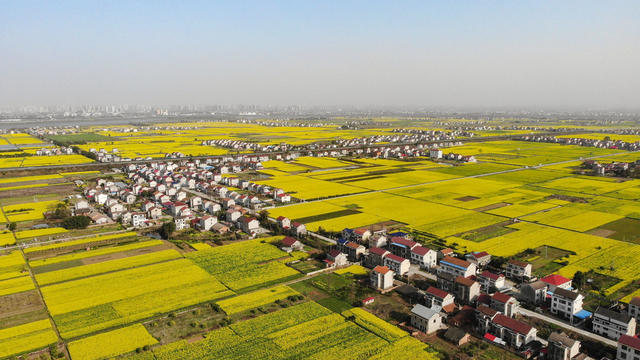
(13, 226)
(76, 222)
(167, 229)
(578, 279)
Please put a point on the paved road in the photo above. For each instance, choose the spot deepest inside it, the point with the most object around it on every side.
(567, 326)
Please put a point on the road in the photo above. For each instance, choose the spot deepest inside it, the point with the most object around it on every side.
(61, 240)
(567, 326)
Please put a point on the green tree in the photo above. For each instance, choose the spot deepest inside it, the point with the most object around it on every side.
(167, 229)
(76, 222)
(578, 279)
(13, 226)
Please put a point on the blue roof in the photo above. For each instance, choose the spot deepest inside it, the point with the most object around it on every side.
(399, 233)
(398, 244)
(583, 314)
(454, 265)
(342, 241)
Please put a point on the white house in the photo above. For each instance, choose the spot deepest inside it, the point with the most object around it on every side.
(207, 222)
(457, 267)
(381, 277)
(138, 219)
(518, 270)
(628, 348)
(424, 257)
(398, 264)
(566, 303)
(613, 324)
(427, 320)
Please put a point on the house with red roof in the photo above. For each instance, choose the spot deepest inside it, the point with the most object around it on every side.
(505, 304)
(628, 348)
(381, 277)
(518, 270)
(353, 250)
(375, 256)
(554, 281)
(398, 264)
(457, 267)
(298, 229)
(424, 257)
(484, 317)
(248, 224)
(291, 244)
(437, 297)
(480, 258)
(634, 307)
(513, 332)
(335, 258)
(402, 246)
(466, 290)
(490, 282)
(284, 222)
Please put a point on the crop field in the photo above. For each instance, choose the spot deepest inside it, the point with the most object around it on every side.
(92, 253)
(76, 272)
(28, 211)
(307, 331)
(240, 303)
(111, 344)
(245, 265)
(27, 337)
(99, 302)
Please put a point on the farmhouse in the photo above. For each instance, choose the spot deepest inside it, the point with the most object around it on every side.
(628, 348)
(456, 267)
(613, 324)
(427, 320)
(505, 304)
(441, 298)
(424, 257)
(291, 244)
(490, 282)
(398, 264)
(518, 270)
(556, 281)
(481, 259)
(381, 277)
(375, 257)
(534, 293)
(513, 332)
(336, 258)
(562, 347)
(566, 303)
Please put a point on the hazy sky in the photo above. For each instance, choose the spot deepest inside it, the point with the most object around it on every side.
(431, 53)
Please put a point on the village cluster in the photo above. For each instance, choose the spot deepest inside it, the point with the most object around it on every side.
(469, 293)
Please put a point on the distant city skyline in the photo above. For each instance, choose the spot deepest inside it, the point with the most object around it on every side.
(467, 54)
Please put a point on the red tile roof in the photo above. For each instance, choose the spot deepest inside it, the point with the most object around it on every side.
(503, 298)
(381, 269)
(464, 281)
(288, 241)
(334, 253)
(512, 324)
(490, 275)
(518, 263)
(353, 245)
(280, 218)
(439, 293)
(456, 261)
(377, 251)
(555, 279)
(630, 341)
(479, 255)
(403, 241)
(395, 258)
(420, 250)
(446, 251)
(487, 310)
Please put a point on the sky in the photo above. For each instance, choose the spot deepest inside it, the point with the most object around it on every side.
(540, 54)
